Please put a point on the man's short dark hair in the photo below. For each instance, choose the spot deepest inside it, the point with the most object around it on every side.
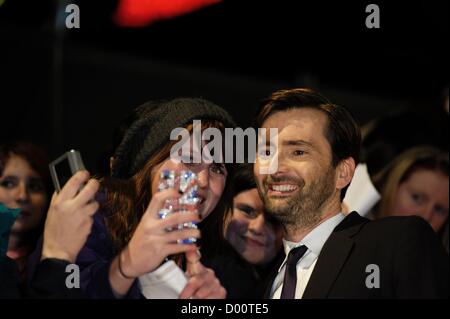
(342, 131)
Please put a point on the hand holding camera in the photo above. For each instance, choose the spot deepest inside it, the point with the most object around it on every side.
(69, 218)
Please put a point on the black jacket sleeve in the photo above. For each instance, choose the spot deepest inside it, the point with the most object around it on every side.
(49, 281)
(9, 279)
(422, 265)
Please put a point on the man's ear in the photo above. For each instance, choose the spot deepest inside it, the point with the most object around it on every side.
(345, 171)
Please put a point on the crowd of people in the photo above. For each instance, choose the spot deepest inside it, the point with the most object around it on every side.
(259, 233)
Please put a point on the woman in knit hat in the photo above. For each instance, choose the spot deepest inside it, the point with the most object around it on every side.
(129, 239)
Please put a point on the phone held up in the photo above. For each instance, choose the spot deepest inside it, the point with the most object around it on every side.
(64, 167)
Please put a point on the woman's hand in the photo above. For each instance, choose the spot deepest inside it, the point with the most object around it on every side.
(69, 218)
(202, 283)
(151, 243)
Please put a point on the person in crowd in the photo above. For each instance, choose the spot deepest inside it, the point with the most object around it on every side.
(254, 236)
(67, 226)
(303, 179)
(416, 183)
(391, 134)
(129, 239)
(24, 184)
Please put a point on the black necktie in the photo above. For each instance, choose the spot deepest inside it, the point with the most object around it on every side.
(290, 275)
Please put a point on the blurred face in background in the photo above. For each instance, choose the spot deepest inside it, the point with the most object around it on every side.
(425, 194)
(250, 233)
(22, 187)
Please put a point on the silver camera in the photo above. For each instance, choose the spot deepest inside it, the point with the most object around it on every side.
(64, 167)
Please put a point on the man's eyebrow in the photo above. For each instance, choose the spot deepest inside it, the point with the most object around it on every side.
(297, 143)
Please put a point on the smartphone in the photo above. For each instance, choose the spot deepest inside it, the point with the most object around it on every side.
(184, 182)
(64, 167)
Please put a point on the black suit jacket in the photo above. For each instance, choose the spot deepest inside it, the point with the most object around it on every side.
(411, 261)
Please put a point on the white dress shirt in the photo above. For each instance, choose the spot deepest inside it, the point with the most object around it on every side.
(314, 241)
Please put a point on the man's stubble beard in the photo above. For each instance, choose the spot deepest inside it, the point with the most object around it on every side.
(304, 209)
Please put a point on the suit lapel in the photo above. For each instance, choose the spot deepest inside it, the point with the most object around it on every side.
(273, 274)
(333, 256)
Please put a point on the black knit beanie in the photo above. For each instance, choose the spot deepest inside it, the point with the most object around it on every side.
(152, 131)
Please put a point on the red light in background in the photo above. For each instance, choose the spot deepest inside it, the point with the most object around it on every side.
(139, 13)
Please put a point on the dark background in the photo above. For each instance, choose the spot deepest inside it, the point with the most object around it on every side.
(69, 88)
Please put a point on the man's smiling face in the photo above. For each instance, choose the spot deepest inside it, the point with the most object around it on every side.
(305, 178)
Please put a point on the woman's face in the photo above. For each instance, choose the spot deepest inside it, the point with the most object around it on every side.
(249, 232)
(22, 187)
(425, 194)
(211, 181)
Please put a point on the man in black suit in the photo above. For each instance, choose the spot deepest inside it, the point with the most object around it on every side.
(302, 179)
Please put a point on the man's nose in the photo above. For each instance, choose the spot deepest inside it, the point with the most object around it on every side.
(281, 163)
(280, 171)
